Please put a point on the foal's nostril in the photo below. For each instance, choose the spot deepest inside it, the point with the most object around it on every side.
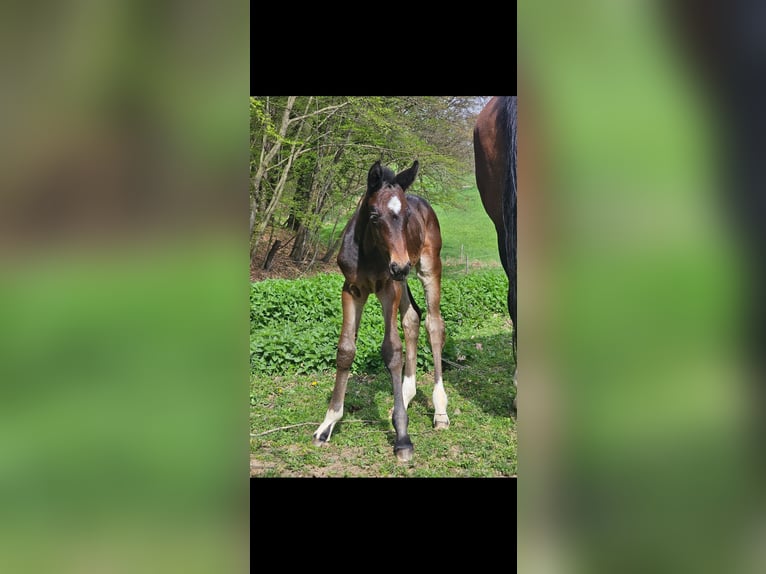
(399, 271)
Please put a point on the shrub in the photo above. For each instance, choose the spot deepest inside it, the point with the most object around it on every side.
(295, 324)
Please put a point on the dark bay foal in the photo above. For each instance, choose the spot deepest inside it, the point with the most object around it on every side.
(389, 234)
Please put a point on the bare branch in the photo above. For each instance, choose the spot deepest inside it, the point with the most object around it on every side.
(456, 365)
(283, 428)
(317, 112)
(305, 424)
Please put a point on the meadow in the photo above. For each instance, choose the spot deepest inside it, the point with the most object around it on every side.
(294, 328)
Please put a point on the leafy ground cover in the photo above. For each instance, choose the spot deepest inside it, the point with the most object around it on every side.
(294, 331)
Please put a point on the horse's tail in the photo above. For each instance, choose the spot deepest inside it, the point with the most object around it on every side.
(418, 310)
(509, 119)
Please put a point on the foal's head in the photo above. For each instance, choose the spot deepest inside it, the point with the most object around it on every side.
(385, 206)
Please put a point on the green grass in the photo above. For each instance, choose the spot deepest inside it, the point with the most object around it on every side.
(480, 442)
(467, 232)
(287, 404)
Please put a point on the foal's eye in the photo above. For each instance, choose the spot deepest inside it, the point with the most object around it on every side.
(374, 217)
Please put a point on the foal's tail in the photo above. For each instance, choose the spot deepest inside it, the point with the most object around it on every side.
(418, 310)
(509, 118)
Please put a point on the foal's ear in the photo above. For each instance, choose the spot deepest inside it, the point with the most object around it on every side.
(374, 177)
(405, 178)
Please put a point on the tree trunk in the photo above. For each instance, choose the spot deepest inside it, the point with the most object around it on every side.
(296, 149)
(264, 162)
(298, 252)
(266, 158)
(272, 252)
(330, 251)
(253, 207)
(306, 168)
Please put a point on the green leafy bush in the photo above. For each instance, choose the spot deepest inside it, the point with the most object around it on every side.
(295, 324)
(467, 301)
(277, 302)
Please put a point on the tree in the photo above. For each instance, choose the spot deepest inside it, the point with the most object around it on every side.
(309, 156)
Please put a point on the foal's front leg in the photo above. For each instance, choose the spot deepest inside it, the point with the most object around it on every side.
(352, 313)
(390, 297)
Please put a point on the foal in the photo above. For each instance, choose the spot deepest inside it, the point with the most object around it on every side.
(389, 234)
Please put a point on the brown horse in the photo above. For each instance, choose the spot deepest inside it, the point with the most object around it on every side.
(495, 143)
(390, 233)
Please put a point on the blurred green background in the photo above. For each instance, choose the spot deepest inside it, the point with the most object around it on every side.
(634, 444)
(124, 287)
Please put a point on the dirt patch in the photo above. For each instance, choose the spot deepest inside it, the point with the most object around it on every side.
(283, 267)
(341, 464)
(337, 465)
(259, 468)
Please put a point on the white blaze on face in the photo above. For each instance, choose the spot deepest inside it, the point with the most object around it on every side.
(395, 205)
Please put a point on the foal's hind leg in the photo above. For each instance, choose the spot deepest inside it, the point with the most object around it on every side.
(352, 313)
(430, 274)
(411, 329)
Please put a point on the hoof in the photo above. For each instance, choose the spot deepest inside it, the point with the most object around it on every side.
(404, 449)
(316, 441)
(320, 437)
(441, 422)
(404, 454)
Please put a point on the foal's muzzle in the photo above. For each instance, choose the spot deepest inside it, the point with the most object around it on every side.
(399, 272)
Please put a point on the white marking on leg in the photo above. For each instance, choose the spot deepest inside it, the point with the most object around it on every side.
(395, 205)
(441, 419)
(408, 389)
(330, 419)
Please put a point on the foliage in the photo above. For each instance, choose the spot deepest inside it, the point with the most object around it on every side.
(309, 156)
(295, 324)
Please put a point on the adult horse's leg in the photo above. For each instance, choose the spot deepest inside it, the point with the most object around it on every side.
(353, 304)
(390, 297)
(411, 327)
(430, 274)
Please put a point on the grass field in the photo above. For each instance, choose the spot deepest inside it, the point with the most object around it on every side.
(467, 233)
(287, 403)
(480, 442)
